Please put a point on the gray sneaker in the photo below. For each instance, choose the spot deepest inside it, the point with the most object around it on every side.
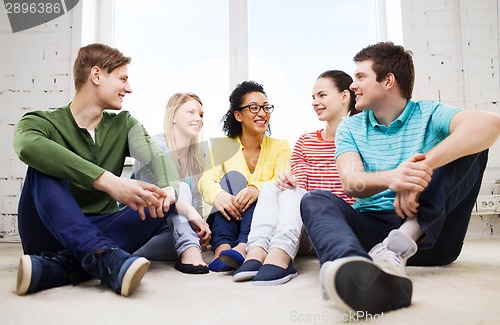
(356, 284)
(391, 254)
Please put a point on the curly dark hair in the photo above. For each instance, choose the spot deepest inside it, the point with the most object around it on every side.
(230, 126)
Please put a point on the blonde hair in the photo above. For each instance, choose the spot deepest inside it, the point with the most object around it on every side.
(195, 157)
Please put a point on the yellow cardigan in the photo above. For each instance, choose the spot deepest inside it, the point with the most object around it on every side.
(226, 155)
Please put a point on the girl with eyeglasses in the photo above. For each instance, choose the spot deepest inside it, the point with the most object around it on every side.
(276, 229)
(248, 158)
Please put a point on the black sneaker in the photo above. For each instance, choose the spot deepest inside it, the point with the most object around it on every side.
(119, 270)
(47, 271)
(356, 284)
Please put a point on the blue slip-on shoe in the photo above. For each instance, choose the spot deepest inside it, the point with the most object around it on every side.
(218, 266)
(49, 270)
(119, 270)
(232, 258)
(271, 274)
(247, 271)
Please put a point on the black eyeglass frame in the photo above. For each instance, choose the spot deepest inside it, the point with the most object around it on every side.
(268, 109)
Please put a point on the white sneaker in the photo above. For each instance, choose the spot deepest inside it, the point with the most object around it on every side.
(356, 284)
(391, 254)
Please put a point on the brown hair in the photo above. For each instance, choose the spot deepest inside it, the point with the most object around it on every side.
(342, 81)
(100, 55)
(390, 58)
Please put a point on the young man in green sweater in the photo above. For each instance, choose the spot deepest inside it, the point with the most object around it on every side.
(69, 220)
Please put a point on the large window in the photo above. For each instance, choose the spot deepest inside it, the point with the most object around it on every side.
(176, 46)
(292, 41)
(184, 46)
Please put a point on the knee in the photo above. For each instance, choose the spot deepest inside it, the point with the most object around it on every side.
(309, 201)
(268, 187)
(233, 182)
(185, 192)
(315, 197)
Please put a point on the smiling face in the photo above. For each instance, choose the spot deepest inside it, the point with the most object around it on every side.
(250, 122)
(328, 102)
(188, 119)
(113, 87)
(369, 92)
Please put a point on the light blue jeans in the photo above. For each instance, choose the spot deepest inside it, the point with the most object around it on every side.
(174, 238)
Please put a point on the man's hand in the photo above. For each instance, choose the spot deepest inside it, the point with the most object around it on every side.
(286, 181)
(406, 204)
(414, 177)
(411, 175)
(228, 206)
(169, 198)
(136, 194)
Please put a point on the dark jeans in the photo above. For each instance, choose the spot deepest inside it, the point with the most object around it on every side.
(337, 230)
(230, 232)
(50, 219)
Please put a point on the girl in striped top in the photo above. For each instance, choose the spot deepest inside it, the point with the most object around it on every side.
(276, 226)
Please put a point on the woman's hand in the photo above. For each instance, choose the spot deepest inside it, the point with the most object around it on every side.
(247, 196)
(286, 181)
(228, 206)
(200, 226)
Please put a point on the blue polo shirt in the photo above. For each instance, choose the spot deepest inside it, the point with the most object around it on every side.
(421, 126)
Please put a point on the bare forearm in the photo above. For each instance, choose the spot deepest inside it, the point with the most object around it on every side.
(362, 184)
(471, 133)
(186, 209)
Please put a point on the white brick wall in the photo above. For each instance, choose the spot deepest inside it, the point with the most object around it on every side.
(455, 42)
(35, 70)
(456, 45)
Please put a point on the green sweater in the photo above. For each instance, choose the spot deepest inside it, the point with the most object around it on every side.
(53, 143)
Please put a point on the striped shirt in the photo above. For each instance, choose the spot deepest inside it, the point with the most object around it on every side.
(420, 127)
(313, 165)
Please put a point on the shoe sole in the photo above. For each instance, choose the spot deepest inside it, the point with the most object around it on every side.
(134, 275)
(244, 276)
(229, 261)
(282, 280)
(358, 285)
(23, 275)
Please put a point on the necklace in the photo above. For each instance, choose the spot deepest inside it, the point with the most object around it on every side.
(181, 169)
(188, 178)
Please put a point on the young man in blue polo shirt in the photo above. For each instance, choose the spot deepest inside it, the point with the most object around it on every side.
(415, 168)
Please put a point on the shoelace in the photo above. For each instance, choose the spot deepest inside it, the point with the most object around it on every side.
(103, 264)
(386, 255)
(49, 256)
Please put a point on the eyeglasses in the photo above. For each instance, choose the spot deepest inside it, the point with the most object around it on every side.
(255, 109)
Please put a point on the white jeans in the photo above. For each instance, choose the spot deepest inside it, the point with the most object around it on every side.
(276, 220)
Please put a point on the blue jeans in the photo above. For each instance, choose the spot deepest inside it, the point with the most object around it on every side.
(231, 232)
(50, 219)
(337, 230)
